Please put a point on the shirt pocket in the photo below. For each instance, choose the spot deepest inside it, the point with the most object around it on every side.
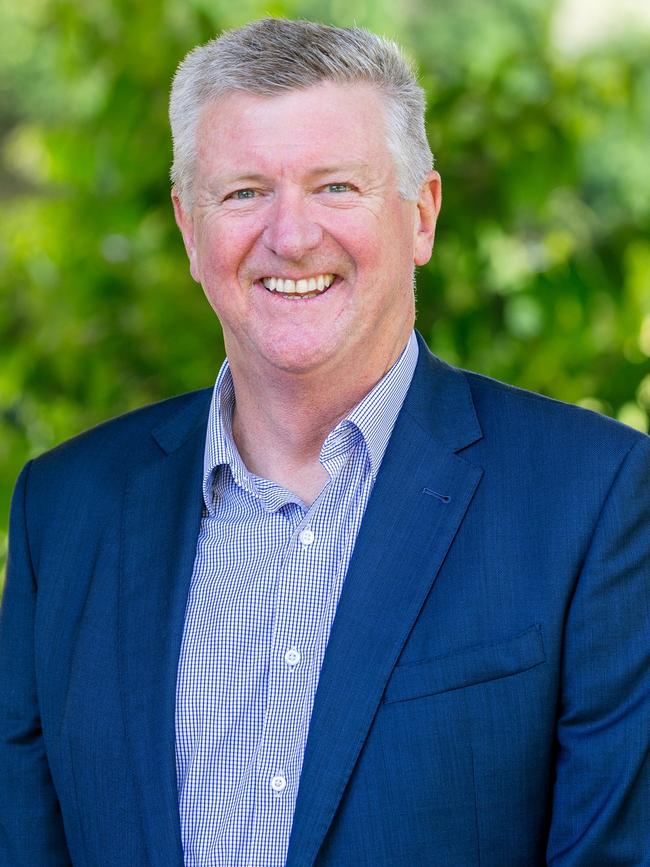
(467, 666)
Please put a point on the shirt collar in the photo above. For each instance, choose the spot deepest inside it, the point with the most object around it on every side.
(373, 417)
(220, 448)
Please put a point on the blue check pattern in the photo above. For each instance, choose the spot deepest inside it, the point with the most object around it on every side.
(267, 578)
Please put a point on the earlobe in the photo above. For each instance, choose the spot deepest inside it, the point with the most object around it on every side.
(185, 223)
(428, 208)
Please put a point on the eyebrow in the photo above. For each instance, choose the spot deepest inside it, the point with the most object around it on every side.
(246, 177)
(354, 168)
(319, 171)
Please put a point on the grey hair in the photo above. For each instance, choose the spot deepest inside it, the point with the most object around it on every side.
(275, 55)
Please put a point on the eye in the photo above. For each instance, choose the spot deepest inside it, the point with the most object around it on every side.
(338, 188)
(242, 195)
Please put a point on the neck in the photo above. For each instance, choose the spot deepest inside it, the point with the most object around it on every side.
(281, 420)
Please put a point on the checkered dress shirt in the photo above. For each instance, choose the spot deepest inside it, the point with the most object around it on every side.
(267, 578)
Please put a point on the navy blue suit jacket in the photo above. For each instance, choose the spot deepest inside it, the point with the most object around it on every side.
(485, 695)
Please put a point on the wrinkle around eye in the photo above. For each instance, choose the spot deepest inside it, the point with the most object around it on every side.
(355, 202)
(233, 205)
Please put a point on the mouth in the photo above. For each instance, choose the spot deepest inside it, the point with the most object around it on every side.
(304, 287)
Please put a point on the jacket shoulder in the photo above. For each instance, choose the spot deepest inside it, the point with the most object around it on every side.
(540, 422)
(137, 436)
(510, 403)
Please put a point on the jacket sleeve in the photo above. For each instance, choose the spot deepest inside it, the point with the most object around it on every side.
(31, 827)
(601, 800)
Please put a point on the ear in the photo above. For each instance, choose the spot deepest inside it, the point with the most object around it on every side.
(185, 222)
(428, 208)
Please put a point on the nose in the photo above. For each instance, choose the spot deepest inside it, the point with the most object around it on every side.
(291, 231)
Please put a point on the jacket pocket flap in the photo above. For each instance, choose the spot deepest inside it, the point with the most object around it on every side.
(471, 665)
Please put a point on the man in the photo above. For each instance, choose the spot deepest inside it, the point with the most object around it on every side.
(354, 606)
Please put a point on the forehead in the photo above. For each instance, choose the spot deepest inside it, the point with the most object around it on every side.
(325, 124)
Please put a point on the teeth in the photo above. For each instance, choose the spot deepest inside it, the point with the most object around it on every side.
(304, 286)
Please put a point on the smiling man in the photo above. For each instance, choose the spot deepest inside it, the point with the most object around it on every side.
(305, 248)
(352, 606)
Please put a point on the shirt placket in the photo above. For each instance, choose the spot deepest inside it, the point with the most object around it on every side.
(304, 582)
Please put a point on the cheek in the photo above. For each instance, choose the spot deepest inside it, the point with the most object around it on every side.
(223, 248)
(358, 237)
(213, 262)
(377, 240)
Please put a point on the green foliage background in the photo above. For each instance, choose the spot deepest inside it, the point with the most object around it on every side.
(541, 272)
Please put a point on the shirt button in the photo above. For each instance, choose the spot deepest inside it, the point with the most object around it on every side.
(306, 536)
(292, 656)
(278, 783)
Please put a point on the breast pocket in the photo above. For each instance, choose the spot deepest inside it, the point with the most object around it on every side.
(467, 666)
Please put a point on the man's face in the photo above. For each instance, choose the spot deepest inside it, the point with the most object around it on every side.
(301, 187)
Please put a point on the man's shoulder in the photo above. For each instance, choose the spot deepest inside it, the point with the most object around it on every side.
(499, 403)
(504, 417)
(71, 490)
(541, 437)
(135, 437)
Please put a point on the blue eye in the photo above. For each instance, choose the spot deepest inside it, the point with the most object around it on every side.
(243, 194)
(338, 188)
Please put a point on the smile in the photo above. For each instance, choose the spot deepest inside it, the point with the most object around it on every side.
(306, 287)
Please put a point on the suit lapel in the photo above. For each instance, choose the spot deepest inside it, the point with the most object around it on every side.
(419, 500)
(161, 520)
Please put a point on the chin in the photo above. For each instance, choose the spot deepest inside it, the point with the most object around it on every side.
(298, 357)
(296, 362)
